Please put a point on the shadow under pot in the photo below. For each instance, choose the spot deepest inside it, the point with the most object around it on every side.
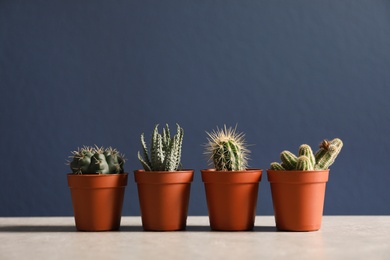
(97, 200)
(164, 198)
(298, 198)
(231, 198)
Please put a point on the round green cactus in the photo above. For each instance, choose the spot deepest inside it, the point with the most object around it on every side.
(96, 160)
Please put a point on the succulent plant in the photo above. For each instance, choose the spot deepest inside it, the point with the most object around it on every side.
(306, 160)
(165, 151)
(227, 149)
(96, 160)
(327, 153)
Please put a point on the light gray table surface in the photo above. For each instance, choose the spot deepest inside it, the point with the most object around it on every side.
(340, 237)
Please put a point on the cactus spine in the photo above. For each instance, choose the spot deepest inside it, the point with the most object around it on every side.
(96, 160)
(165, 151)
(227, 149)
(307, 160)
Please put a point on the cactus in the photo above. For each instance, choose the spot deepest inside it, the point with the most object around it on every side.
(277, 166)
(96, 160)
(304, 164)
(327, 153)
(305, 150)
(306, 160)
(227, 149)
(165, 151)
(289, 160)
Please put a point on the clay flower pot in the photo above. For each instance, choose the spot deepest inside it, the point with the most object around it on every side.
(298, 198)
(164, 198)
(231, 198)
(97, 200)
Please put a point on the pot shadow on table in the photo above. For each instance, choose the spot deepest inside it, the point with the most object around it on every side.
(36, 229)
(124, 228)
(192, 228)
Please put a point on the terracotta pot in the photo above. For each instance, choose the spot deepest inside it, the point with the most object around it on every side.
(164, 198)
(97, 200)
(298, 198)
(231, 198)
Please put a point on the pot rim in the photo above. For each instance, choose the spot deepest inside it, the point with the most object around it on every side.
(163, 177)
(163, 172)
(96, 174)
(248, 170)
(91, 181)
(251, 175)
(297, 177)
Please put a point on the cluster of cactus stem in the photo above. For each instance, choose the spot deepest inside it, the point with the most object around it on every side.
(165, 151)
(96, 160)
(307, 160)
(227, 149)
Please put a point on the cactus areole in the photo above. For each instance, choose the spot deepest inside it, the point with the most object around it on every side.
(96, 160)
(227, 150)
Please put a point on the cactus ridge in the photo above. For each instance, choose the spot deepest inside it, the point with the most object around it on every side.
(165, 151)
(96, 160)
(227, 149)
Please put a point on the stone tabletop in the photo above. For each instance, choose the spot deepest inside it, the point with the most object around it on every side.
(341, 237)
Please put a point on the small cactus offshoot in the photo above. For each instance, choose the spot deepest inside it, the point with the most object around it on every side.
(227, 149)
(165, 151)
(306, 160)
(96, 160)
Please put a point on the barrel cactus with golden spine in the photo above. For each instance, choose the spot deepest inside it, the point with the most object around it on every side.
(227, 149)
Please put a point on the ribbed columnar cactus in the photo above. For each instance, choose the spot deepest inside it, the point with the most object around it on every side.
(96, 160)
(327, 153)
(306, 160)
(227, 150)
(165, 151)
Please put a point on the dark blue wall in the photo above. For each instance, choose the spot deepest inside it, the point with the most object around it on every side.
(76, 73)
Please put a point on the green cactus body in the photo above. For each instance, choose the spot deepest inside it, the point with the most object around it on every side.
(96, 160)
(165, 151)
(226, 157)
(98, 164)
(113, 160)
(327, 153)
(277, 166)
(305, 150)
(289, 160)
(304, 164)
(227, 150)
(81, 160)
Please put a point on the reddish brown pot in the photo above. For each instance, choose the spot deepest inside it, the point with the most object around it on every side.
(298, 198)
(164, 198)
(97, 200)
(231, 198)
